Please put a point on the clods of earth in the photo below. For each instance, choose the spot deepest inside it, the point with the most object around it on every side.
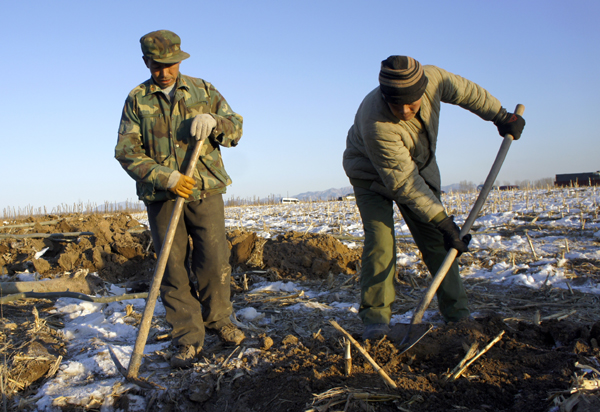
(529, 352)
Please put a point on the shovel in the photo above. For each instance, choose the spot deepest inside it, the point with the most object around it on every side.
(411, 336)
(138, 350)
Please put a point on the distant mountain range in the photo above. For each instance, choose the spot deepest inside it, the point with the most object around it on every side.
(451, 188)
(333, 193)
(329, 194)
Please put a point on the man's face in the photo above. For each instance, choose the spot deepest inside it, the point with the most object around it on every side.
(405, 111)
(163, 74)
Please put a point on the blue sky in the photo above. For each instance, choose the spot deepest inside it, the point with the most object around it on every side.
(296, 71)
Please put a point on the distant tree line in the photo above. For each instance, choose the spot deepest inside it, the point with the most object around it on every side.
(544, 183)
(252, 201)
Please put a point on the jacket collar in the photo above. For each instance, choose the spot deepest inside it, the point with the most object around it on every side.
(180, 83)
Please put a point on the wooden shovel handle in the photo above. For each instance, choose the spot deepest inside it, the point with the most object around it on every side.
(159, 271)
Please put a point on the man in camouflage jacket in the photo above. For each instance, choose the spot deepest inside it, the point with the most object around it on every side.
(390, 157)
(163, 119)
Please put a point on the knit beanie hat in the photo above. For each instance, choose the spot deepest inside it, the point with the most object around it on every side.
(401, 80)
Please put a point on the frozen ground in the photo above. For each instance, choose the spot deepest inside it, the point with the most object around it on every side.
(532, 238)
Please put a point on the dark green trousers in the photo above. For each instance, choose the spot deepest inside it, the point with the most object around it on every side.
(189, 309)
(379, 260)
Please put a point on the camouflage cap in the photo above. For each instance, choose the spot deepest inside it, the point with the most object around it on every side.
(162, 46)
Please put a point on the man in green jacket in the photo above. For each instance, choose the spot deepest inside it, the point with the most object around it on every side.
(163, 119)
(390, 157)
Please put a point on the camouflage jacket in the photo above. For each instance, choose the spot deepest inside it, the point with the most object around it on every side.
(154, 136)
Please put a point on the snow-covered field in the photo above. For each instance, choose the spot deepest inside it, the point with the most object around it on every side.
(525, 237)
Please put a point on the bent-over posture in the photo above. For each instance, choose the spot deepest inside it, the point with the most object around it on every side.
(390, 157)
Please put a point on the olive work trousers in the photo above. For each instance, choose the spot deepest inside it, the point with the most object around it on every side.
(190, 309)
(379, 260)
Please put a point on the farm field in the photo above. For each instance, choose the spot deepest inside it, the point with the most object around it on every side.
(532, 276)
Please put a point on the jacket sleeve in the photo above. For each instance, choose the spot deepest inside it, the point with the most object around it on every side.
(466, 94)
(131, 154)
(229, 124)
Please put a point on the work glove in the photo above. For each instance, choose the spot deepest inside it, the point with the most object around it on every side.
(202, 126)
(509, 123)
(451, 233)
(180, 184)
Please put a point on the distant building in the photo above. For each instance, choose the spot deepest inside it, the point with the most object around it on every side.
(578, 179)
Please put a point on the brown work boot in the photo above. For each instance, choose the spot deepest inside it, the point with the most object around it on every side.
(231, 334)
(184, 357)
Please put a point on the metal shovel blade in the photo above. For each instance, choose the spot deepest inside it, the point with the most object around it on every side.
(408, 335)
(138, 380)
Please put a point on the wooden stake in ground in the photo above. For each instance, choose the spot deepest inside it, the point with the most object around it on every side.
(470, 353)
(531, 246)
(347, 358)
(457, 374)
(368, 357)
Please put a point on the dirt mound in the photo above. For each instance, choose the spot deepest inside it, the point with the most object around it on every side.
(120, 249)
(293, 255)
(114, 246)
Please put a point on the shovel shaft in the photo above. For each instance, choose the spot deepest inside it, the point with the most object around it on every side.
(491, 178)
(451, 255)
(159, 271)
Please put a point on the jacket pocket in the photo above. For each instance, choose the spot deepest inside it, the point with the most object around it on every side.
(149, 119)
(214, 164)
(168, 161)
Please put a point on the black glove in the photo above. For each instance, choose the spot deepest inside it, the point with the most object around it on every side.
(509, 123)
(452, 238)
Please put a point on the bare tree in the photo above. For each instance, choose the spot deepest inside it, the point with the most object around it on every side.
(466, 186)
(523, 184)
(544, 183)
